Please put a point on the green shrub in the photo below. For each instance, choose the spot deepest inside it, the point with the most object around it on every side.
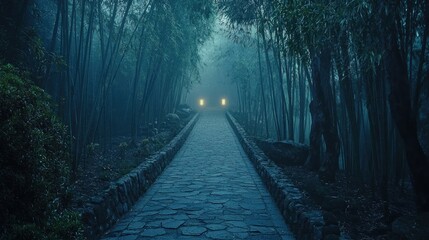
(144, 148)
(92, 148)
(61, 226)
(123, 146)
(66, 225)
(34, 158)
(25, 231)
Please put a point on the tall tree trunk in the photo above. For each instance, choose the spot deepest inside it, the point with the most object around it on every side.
(271, 83)
(261, 79)
(317, 117)
(323, 122)
(302, 100)
(347, 89)
(401, 110)
(329, 166)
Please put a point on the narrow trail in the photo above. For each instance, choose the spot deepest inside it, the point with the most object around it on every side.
(209, 191)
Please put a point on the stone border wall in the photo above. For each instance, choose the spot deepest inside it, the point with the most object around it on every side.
(102, 212)
(305, 222)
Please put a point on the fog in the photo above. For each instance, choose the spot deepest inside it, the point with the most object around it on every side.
(215, 82)
(91, 89)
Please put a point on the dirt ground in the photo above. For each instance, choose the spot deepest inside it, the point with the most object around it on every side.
(104, 165)
(359, 209)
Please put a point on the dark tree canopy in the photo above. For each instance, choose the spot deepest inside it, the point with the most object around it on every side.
(365, 64)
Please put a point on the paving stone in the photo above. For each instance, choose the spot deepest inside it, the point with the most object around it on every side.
(214, 207)
(160, 198)
(167, 212)
(194, 222)
(263, 230)
(210, 190)
(221, 234)
(184, 194)
(152, 208)
(233, 205)
(152, 232)
(136, 225)
(162, 217)
(128, 237)
(154, 224)
(251, 206)
(218, 200)
(223, 193)
(236, 229)
(196, 186)
(232, 217)
(172, 224)
(215, 227)
(213, 221)
(204, 217)
(191, 206)
(130, 232)
(182, 237)
(148, 213)
(193, 231)
(177, 206)
(243, 235)
(259, 222)
(236, 224)
(263, 237)
(181, 217)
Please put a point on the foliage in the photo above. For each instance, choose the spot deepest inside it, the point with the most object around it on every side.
(64, 226)
(92, 148)
(364, 64)
(123, 146)
(144, 149)
(148, 146)
(34, 161)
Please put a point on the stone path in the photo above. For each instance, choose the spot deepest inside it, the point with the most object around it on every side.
(209, 191)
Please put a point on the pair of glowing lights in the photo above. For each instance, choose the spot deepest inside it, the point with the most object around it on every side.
(203, 102)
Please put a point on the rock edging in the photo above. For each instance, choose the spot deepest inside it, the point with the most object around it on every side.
(305, 223)
(104, 210)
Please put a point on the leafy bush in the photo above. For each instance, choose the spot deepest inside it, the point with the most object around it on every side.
(66, 225)
(34, 160)
(144, 148)
(123, 146)
(92, 149)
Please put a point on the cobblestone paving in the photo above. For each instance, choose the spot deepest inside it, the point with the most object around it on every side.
(209, 191)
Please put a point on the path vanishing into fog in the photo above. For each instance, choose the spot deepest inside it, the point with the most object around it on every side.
(209, 191)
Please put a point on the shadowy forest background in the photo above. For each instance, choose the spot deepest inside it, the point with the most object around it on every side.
(351, 80)
(109, 67)
(348, 78)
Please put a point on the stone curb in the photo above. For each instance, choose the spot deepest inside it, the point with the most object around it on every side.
(305, 223)
(102, 212)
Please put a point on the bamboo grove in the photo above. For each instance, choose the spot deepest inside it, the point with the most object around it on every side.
(112, 65)
(350, 78)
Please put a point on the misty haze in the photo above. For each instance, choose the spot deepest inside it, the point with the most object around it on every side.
(215, 119)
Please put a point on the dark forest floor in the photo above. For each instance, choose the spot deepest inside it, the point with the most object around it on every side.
(358, 208)
(104, 165)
